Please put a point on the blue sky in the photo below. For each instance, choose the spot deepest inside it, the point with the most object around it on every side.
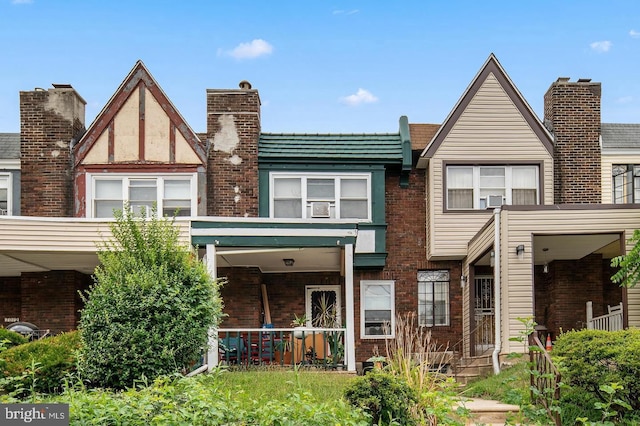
(320, 66)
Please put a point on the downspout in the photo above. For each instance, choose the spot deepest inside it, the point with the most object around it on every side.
(496, 293)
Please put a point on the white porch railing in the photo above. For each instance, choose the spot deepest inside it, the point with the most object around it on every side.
(608, 322)
(320, 347)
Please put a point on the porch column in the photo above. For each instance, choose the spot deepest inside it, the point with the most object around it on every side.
(348, 290)
(212, 353)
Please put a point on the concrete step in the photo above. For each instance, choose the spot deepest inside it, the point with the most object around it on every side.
(488, 412)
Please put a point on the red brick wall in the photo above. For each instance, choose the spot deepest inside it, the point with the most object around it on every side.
(572, 112)
(232, 170)
(50, 120)
(242, 297)
(9, 299)
(50, 300)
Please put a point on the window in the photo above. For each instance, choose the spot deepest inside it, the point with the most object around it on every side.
(171, 194)
(433, 298)
(377, 316)
(5, 194)
(320, 196)
(482, 187)
(626, 183)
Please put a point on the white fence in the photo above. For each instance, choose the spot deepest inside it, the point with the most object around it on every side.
(608, 322)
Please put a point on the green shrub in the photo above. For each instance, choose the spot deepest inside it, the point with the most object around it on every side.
(590, 358)
(151, 307)
(384, 396)
(41, 365)
(9, 339)
(202, 400)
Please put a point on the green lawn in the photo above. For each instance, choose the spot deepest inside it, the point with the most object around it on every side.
(266, 385)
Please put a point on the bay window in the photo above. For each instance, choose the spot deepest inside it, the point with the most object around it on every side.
(482, 187)
(171, 194)
(319, 195)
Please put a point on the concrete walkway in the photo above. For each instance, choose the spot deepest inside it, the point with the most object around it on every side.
(488, 412)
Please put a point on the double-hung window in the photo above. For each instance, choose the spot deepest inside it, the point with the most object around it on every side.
(377, 314)
(319, 195)
(481, 187)
(626, 183)
(433, 298)
(171, 194)
(5, 194)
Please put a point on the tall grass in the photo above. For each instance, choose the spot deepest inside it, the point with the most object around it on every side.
(415, 357)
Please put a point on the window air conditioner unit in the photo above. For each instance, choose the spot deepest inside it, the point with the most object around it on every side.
(320, 209)
(494, 201)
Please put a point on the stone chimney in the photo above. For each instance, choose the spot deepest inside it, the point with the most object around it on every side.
(51, 121)
(572, 114)
(233, 130)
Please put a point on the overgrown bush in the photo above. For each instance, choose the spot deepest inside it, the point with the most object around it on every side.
(151, 307)
(202, 400)
(41, 365)
(385, 396)
(9, 339)
(589, 359)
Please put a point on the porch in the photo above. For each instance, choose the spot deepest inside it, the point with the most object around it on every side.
(317, 347)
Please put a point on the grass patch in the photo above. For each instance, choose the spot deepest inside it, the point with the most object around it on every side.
(511, 386)
(267, 385)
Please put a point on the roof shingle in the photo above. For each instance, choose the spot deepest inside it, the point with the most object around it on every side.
(9, 146)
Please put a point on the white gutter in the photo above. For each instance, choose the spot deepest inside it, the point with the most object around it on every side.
(496, 293)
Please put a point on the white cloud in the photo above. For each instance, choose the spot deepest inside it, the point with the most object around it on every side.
(253, 49)
(634, 34)
(21, 1)
(362, 96)
(625, 100)
(601, 46)
(345, 12)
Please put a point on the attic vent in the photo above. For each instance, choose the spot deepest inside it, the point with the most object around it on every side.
(320, 209)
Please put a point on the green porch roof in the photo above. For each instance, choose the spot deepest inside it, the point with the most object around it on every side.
(380, 148)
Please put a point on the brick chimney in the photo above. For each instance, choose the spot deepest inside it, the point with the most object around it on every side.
(51, 121)
(572, 114)
(233, 130)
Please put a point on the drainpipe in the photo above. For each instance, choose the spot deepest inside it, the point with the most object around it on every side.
(496, 293)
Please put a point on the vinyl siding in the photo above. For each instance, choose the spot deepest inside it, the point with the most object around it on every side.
(490, 130)
(518, 227)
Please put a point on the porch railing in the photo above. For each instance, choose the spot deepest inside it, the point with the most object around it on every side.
(544, 378)
(248, 347)
(482, 345)
(612, 321)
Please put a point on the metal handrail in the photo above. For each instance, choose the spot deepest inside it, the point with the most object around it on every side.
(544, 377)
(458, 349)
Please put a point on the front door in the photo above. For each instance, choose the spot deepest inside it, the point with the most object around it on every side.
(323, 306)
(484, 311)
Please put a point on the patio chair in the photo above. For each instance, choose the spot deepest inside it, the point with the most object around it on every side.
(232, 350)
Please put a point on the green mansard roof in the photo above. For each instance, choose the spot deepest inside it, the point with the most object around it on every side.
(369, 148)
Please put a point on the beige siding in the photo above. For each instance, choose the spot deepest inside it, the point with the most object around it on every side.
(607, 162)
(517, 274)
(491, 129)
(479, 245)
(59, 235)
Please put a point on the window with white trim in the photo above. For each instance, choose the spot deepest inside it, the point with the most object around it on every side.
(174, 194)
(481, 187)
(320, 196)
(626, 183)
(433, 298)
(5, 194)
(377, 309)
